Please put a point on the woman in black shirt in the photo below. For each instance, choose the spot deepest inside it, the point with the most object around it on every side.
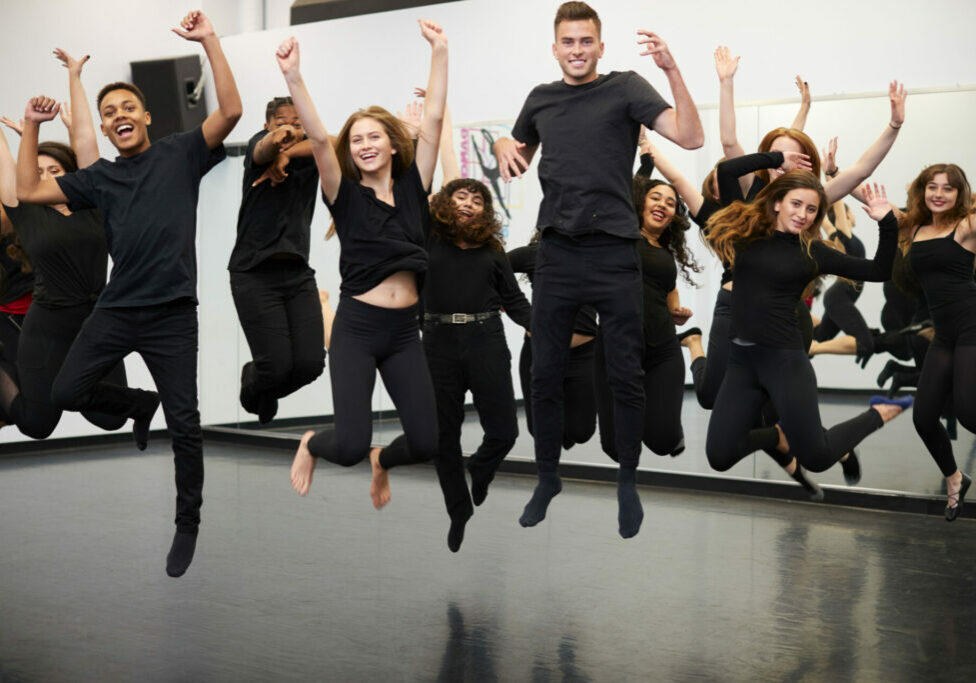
(376, 188)
(773, 248)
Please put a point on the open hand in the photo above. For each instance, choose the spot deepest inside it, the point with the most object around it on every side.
(195, 26)
(830, 157)
(412, 117)
(796, 161)
(73, 65)
(510, 162)
(876, 200)
(897, 95)
(725, 64)
(657, 48)
(66, 115)
(41, 108)
(804, 89)
(15, 126)
(432, 32)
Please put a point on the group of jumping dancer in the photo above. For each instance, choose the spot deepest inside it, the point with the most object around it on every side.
(601, 341)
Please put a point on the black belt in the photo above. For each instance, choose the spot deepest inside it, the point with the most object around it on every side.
(459, 318)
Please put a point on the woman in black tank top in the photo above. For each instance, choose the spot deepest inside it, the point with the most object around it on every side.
(943, 253)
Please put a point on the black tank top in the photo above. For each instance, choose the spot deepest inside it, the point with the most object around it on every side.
(944, 269)
(659, 274)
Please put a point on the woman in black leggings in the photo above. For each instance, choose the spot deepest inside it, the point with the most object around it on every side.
(469, 281)
(943, 243)
(774, 249)
(376, 188)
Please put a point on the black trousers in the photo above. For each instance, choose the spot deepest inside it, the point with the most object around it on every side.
(46, 339)
(841, 315)
(278, 306)
(707, 372)
(579, 392)
(367, 338)
(471, 357)
(787, 377)
(10, 326)
(165, 336)
(664, 386)
(603, 271)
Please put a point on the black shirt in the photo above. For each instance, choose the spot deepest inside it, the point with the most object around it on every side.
(772, 272)
(15, 283)
(523, 261)
(588, 134)
(377, 239)
(660, 275)
(68, 253)
(274, 219)
(472, 281)
(149, 204)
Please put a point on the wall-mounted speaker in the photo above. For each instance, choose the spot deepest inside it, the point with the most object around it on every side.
(169, 86)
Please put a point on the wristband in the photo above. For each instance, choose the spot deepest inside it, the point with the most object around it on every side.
(893, 125)
(831, 175)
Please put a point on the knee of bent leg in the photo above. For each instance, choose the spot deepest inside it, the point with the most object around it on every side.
(304, 371)
(66, 397)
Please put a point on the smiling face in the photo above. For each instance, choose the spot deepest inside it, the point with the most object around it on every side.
(370, 146)
(940, 196)
(125, 122)
(660, 204)
(284, 115)
(797, 211)
(783, 144)
(578, 49)
(467, 204)
(49, 167)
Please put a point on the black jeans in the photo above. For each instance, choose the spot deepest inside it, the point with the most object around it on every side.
(603, 271)
(579, 392)
(165, 336)
(278, 306)
(46, 338)
(367, 338)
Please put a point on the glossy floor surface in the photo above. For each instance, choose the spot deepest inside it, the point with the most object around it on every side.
(714, 587)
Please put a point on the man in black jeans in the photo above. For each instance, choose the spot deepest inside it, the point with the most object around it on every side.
(588, 126)
(148, 199)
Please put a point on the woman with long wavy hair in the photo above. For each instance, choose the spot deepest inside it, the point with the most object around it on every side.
(774, 249)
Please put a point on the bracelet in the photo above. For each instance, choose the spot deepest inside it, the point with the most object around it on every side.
(893, 125)
(831, 175)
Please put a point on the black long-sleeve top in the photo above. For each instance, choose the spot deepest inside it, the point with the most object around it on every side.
(771, 273)
(523, 261)
(472, 280)
(730, 170)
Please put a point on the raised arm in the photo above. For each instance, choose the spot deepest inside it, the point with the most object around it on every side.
(435, 103)
(877, 269)
(851, 177)
(801, 116)
(218, 125)
(450, 167)
(689, 193)
(323, 150)
(8, 174)
(726, 66)
(30, 187)
(81, 127)
(730, 171)
(681, 124)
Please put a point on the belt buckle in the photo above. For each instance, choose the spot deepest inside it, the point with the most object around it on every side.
(459, 318)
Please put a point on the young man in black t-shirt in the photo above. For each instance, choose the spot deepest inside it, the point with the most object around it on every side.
(148, 199)
(273, 286)
(588, 126)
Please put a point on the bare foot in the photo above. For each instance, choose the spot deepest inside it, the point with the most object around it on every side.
(887, 411)
(783, 446)
(953, 484)
(303, 466)
(791, 468)
(693, 342)
(379, 489)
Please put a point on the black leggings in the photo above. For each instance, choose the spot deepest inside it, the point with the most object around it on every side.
(787, 377)
(948, 373)
(707, 372)
(579, 393)
(664, 387)
(10, 326)
(367, 338)
(279, 309)
(46, 338)
(841, 315)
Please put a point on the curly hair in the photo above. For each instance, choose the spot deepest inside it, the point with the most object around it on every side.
(917, 213)
(672, 237)
(806, 145)
(742, 223)
(485, 229)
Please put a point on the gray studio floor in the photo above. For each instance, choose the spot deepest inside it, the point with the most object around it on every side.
(715, 587)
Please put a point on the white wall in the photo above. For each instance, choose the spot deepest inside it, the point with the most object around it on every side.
(500, 49)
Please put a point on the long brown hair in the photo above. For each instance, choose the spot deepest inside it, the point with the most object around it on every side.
(483, 229)
(672, 237)
(917, 213)
(741, 222)
(399, 138)
(806, 146)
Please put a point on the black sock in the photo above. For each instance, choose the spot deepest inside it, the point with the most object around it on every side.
(142, 419)
(548, 488)
(852, 468)
(630, 511)
(456, 534)
(816, 493)
(479, 485)
(181, 553)
(267, 410)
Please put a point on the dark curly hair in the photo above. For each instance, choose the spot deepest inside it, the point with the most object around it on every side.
(673, 236)
(483, 229)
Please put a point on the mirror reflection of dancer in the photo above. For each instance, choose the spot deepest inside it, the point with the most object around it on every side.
(272, 284)
(588, 126)
(774, 249)
(148, 199)
(376, 189)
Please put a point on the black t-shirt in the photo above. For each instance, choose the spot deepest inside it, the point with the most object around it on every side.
(377, 239)
(772, 272)
(274, 219)
(15, 283)
(523, 261)
(149, 205)
(472, 281)
(68, 253)
(589, 136)
(660, 275)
